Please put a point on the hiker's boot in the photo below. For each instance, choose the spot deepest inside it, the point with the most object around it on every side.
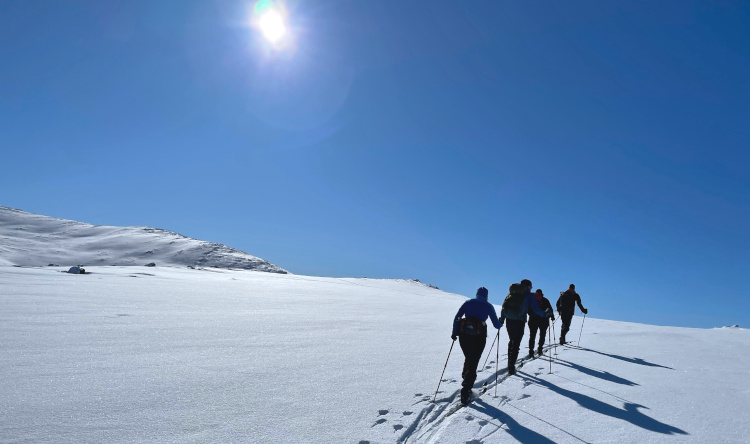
(465, 395)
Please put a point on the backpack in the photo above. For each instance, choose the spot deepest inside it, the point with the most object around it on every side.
(516, 295)
(566, 302)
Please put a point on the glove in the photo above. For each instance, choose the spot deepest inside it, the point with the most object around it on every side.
(550, 313)
(585, 311)
(454, 337)
(552, 318)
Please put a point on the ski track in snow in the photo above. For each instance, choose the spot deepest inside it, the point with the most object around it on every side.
(435, 416)
(445, 420)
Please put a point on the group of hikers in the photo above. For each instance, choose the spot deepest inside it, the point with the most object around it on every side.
(470, 327)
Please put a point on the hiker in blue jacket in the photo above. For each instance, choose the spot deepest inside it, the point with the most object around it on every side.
(514, 319)
(471, 329)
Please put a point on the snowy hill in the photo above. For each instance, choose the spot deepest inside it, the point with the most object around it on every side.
(34, 240)
(174, 355)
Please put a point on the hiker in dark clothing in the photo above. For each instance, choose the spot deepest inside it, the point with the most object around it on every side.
(566, 307)
(538, 322)
(514, 318)
(471, 329)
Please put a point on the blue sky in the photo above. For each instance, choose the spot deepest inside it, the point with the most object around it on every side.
(461, 143)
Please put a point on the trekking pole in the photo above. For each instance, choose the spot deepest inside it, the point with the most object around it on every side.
(554, 336)
(579, 334)
(490, 352)
(497, 358)
(549, 337)
(441, 375)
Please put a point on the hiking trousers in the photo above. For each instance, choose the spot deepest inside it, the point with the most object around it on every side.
(515, 330)
(540, 324)
(472, 346)
(566, 317)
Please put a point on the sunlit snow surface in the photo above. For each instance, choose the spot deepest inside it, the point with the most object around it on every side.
(168, 355)
(36, 240)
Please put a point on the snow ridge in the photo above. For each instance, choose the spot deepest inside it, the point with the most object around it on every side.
(28, 239)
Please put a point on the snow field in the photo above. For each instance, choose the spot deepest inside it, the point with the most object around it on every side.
(168, 355)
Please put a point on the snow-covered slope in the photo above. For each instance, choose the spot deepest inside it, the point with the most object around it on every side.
(173, 355)
(34, 240)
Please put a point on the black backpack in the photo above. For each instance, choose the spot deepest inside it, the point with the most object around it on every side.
(566, 302)
(516, 295)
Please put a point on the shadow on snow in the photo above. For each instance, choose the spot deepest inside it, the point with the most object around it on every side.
(515, 429)
(622, 358)
(630, 413)
(607, 376)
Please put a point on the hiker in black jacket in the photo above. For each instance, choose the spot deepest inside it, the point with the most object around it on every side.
(566, 307)
(517, 304)
(537, 322)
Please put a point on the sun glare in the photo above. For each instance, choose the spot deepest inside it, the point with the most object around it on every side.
(270, 19)
(272, 26)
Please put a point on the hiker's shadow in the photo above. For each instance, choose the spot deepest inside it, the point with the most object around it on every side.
(629, 413)
(623, 358)
(596, 373)
(516, 430)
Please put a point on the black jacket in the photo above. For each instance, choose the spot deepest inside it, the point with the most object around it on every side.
(544, 304)
(567, 302)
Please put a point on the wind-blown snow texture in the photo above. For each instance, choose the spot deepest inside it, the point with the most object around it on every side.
(35, 240)
(173, 355)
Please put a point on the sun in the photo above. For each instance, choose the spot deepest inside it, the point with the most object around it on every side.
(270, 20)
(272, 26)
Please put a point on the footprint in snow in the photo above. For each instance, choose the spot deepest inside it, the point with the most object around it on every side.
(398, 427)
(469, 418)
(407, 413)
(474, 441)
(524, 396)
(364, 442)
(382, 412)
(483, 423)
(379, 421)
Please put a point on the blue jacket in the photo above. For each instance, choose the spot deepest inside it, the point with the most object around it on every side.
(478, 308)
(519, 314)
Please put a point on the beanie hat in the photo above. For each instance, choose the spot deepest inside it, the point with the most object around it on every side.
(572, 286)
(482, 292)
(526, 282)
